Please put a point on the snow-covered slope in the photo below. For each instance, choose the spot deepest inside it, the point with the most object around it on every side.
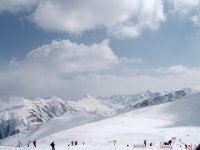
(20, 115)
(155, 124)
(51, 126)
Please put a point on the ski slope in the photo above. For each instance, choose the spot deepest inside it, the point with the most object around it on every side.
(155, 124)
(19, 115)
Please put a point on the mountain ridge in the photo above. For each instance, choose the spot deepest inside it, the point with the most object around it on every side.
(22, 114)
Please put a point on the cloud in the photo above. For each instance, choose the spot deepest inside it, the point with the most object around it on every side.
(43, 71)
(184, 6)
(126, 31)
(67, 57)
(122, 18)
(196, 20)
(177, 69)
(32, 77)
(17, 5)
(170, 78)
(187, 8)
(128, 61)
(58, 68)
(106, 85)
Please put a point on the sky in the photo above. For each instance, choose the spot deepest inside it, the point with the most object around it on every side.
(68, 48)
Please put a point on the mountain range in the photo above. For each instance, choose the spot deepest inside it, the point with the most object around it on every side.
(21, 115)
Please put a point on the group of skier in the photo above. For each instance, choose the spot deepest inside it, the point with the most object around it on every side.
(28, 145)
(52, 144)
(74, 143)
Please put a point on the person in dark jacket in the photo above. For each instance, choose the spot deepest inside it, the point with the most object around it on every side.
(198, 147)
(145, 143)
(28, 143)
(34, 143)
(52, 145)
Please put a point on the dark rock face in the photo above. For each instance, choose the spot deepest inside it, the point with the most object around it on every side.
(6, 129)
(162, 99)
(12, 123)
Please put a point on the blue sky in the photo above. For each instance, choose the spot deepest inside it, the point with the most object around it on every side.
(70, 48)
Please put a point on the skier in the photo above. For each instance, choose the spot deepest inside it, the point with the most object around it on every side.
(198, 147)
(34, 143)
(186, 146)
(76, 143)
(28, 143)
(145, 143)
(19, 144)
(72, 142)
(190, 147)
(52, 145)
(170, 142)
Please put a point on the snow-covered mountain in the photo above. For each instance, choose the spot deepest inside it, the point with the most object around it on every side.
(159, 99)
(92, 105)
(147, 98)
(18, 114)
(121, 102)
(158, 123)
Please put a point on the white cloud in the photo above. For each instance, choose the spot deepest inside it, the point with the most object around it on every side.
(67, 57)
(126, 31)
(188, 8)
(23, 78)
(122, 18)
(105, 85)
(63, 68)
(132, 60)
(16, 5)
(184, 6)
(40, 73)
(177, 69)
(196, 20)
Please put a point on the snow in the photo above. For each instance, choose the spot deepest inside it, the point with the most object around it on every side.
(155, 124)
(92, 105)
(50, 127)
(21, 115)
